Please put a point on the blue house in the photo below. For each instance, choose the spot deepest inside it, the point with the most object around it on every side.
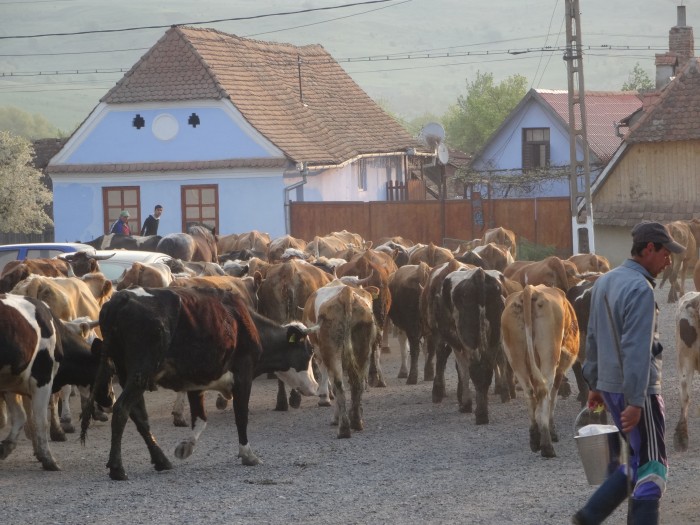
(529, 154)
(225, 131)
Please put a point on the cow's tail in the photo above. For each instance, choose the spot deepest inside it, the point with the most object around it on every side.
(484, 324)
(104, 373)
(348, 354)
(530, 294)
(108, 317)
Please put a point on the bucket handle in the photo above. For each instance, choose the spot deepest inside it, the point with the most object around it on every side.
(580, 415)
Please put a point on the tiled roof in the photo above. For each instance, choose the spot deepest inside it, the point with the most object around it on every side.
(630, 213)
(140, 167)
(603, 110)
(329, 122)
(675, 113)
(44, 149)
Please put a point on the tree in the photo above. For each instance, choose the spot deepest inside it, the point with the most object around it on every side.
(470, 122)
(28, 125)
(22, 194)
(638, 80)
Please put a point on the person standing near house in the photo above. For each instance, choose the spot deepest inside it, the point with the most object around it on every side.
(150, 225)
(623, 371)
(121, 225)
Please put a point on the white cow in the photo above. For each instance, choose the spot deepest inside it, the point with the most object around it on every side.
(688, 351)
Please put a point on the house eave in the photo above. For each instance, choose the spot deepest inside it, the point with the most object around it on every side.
(137, 167)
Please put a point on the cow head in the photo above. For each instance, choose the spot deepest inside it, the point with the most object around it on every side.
(83, 263)
(299, 375)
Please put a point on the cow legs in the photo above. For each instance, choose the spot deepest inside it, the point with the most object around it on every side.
(404, 351)
(17, 418)
(414, 348)
(199, 422)
(55, 429)
(428, 367)
(294, 398)
(686, 367)
(66, 419)
(376, 378)
(241, 396)
(40, 402)
(120, 415)
(464, 393)
(179, 409)
(3, 412)
(481, 373)
(323, 390)
(442, 352)
(341, 410)
(140, 418)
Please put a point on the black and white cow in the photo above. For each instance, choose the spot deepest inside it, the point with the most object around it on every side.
(191, 339)
(35, 347)
(579, 297)
(472, 301)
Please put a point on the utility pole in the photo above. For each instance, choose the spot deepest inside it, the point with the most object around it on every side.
(582, 231)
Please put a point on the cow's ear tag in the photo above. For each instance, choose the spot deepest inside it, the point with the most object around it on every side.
(293, 338)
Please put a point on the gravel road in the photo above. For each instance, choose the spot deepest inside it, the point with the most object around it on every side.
(415, 462)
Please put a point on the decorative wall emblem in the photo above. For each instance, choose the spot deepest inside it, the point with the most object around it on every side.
(165, 127)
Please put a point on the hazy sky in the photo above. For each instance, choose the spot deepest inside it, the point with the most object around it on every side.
(395, 50)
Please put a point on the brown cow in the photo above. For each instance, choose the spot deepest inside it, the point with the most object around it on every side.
(253, 240)
(682, 233)
(101, 287)
(325, 246)
(405, 286)
(151, 275)
(345, 331)
(16, 271)
(590, 262)
(431, 255)
(376, 267)
(282, 295)
(354, 239)
(501, 236)
(431, 321)
(279, 245)
(551, 271)
(541, 340)
(496, 256)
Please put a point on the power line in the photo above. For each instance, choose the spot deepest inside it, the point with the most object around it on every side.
(75, 52)
(234, 19)
(354, 60)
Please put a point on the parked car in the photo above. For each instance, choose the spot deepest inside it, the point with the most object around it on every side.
(122, 260)
(41, 250)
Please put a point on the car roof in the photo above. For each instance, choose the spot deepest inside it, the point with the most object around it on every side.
(133, 255)
(63, 246)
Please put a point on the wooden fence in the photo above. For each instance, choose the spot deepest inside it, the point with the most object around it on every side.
(545, 221)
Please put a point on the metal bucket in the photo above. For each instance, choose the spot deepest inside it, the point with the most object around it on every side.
(595, 452)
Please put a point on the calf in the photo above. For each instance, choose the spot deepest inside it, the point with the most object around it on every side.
(541, 340)
(688, 349)
(344, 332)
(191, 339)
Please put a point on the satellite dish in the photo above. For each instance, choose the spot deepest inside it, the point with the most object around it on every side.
(443, 156)
(432, 135)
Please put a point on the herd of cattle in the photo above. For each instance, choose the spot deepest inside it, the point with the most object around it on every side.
(225, 310)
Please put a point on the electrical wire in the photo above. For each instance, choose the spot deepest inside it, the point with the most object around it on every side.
(233, 19)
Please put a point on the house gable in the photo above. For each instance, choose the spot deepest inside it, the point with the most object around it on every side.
(298, 97)
(193, 131)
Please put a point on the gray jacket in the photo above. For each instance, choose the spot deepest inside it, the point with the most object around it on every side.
(630, 295)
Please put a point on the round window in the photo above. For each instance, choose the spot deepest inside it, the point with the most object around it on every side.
(165, 127)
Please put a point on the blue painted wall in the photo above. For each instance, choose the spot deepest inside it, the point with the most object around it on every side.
(245, 203)
(505, 152)
(116, 140)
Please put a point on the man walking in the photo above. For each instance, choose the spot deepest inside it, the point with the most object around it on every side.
(623, 370)
(150, 225)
